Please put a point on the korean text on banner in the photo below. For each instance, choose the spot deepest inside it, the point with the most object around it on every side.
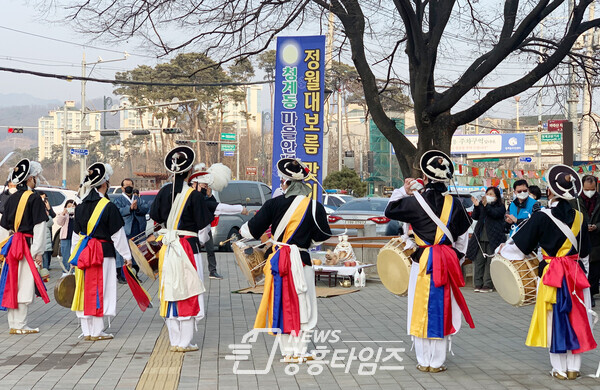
(299, 94)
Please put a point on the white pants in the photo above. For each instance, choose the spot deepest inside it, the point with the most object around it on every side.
(563, 362)
(17, 318)
(431, 352)
(181, 332)
(92, 326)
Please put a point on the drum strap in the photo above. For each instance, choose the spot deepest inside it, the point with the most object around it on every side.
(434, 217)
(287, 217)
(564, 228)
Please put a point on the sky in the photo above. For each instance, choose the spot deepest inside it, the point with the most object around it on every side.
(26, 51)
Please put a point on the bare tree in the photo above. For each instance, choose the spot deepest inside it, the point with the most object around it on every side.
(240, 29)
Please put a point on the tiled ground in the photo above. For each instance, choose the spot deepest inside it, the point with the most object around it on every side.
(491, 356)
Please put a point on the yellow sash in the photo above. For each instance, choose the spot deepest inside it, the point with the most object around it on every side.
(161, 253)
(18, 216)
(79, 285)
(546, 295)
(265, 310)
(419, 319)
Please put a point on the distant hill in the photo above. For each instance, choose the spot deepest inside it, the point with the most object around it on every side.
(23, 99)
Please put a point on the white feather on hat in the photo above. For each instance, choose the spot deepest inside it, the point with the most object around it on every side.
(221, 175)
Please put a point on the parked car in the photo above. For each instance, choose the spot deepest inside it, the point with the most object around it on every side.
(251, 194)
(359, 211)
(57, 197)
(114, 190)
(333, 201)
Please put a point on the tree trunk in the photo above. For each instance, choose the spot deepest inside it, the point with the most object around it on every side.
(435, 134)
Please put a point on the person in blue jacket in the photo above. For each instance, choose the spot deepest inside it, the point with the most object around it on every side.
(133, 209)
(521, 208)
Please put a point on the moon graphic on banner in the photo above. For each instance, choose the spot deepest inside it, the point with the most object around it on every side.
(290, 53)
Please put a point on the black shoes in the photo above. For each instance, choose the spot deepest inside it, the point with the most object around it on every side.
(215, 275)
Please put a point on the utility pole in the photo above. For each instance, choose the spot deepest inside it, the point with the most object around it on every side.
(572, 100)
(328, 64)
(517, 99)
(339, 126)
(64, 146)
(538, 155)
(82, 166)
(587, 103)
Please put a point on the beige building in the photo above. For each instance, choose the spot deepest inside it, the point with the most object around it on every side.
(234, 112)
(51, 129)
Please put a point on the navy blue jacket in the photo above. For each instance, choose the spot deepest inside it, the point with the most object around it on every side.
(128, 215)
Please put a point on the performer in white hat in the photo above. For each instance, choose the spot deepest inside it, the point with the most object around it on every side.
(561, 318)
(25, 218)
(98, 234)
(440, 227)
(184, 212)
(216, 178)
(298, 223)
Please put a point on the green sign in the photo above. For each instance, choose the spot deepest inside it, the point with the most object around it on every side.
(228, 147)
(486, 160)
(227, 136)
(552, 137)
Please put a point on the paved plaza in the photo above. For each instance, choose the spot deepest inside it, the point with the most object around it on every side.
(371, 321)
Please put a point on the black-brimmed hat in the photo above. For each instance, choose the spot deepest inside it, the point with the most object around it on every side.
(180, 159)
(564, 181)
(97, 174)
(436, 165)
(25, 169)
(292, 169)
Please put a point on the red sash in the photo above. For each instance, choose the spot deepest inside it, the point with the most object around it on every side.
(18, 250)
(90, 261)
(446, 270)
(189, 307)
(289, 298)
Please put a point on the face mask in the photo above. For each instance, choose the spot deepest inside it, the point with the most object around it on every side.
(129, 190)
(523, 195)
(203, 191)
(589, 193)
(490, 199)
(71, 210)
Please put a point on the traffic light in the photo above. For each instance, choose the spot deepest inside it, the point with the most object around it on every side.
(15, 130)
(172, 130)
(140, 132)
(109, 133)
(212, 143)
(182, 142)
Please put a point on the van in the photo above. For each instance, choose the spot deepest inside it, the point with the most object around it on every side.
(252, 195)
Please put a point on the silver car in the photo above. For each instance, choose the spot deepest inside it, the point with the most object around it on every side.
(359, 211)
(251, 194)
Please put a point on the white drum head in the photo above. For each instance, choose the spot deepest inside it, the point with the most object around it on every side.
(507, 281)
(393, 270)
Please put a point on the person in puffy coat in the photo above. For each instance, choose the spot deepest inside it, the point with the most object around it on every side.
(489, 232)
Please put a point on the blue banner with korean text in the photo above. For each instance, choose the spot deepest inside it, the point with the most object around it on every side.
(298, 111)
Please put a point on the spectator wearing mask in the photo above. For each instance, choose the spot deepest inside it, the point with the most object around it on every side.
(588, 203)
(65, 221)
(133, 210)
(47, 256)
(521, 208)
(489, 234)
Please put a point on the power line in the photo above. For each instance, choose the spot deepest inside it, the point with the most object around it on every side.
(129, 82)
(73, 43)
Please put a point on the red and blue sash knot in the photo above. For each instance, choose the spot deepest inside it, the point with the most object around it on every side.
(15, 250)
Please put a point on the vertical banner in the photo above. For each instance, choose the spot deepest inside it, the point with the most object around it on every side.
(298, 112)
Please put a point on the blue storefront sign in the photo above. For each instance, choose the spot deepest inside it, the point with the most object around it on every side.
(298, 112)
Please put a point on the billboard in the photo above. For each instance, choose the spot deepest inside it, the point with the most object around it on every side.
(485, 143)
(298, 111)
